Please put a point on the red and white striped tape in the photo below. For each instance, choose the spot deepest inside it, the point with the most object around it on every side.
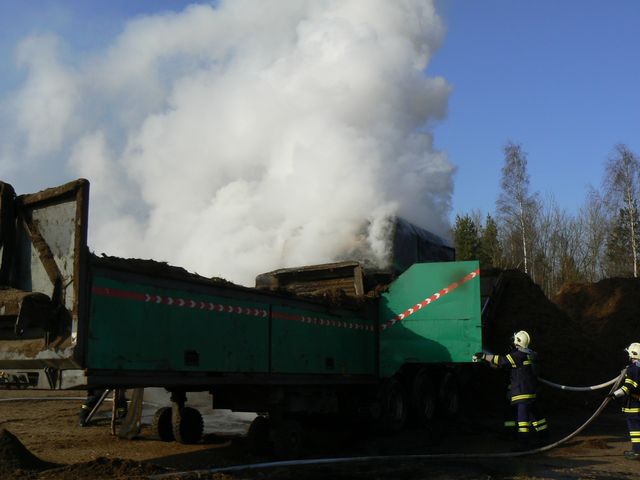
(180, 302)
(263, 313)
(227, 308)
(325, 322)
(429, 300)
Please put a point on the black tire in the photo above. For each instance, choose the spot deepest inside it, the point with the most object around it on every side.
(190, 426)
(424, 400)
(449, 395)
(288, 439)
(258, 435)
(161, 425)
(393, 403)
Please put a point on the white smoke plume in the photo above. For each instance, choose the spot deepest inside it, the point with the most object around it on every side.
(242, 137)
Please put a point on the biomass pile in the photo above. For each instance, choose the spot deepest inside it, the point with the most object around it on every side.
(154, 268)
(523, 305)
(580, 334)
(605, 318)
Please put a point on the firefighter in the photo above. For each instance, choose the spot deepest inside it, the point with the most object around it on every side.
(522, 364)
(93, 397)
(631, 389)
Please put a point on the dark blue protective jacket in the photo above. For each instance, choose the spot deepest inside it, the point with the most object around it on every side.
(523, 369)
(631, 388)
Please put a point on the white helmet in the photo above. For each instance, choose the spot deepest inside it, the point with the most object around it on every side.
(634, 351)
(521, 339)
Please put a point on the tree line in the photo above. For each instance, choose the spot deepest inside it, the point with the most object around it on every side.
(556, 247)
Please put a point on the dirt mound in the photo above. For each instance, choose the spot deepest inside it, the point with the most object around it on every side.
(579, 335)
(15, 458)
(605, 317)
(524, 306)
(598, 444)
(102, 468)
(17, 462)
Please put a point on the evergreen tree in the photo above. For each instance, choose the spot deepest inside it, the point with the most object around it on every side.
(466, 239)
(490, 254)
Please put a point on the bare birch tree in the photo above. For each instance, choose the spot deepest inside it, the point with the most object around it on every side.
(558, 247)
(517, 208)
(546, 255)
(596, 224)
(621, 186)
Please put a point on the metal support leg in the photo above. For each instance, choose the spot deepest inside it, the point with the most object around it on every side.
(96, 406)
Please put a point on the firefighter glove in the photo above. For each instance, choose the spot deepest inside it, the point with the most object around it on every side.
(478, 356)
(619, 393)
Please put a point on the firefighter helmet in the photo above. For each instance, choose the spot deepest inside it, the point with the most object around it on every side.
(521, 339)
(634, 351)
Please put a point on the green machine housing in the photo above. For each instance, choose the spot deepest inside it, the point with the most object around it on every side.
(70, 319)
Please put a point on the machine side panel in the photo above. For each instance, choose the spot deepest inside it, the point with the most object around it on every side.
(152, 326)
(431, 314)
(138, 326)
(322, 342)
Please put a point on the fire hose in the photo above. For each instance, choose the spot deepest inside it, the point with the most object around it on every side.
(437, 456)
(579, 389)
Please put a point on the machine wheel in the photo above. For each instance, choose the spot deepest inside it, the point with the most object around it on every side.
(258, 435)
(288, 439)
(161, 424)
(423, 398)
(189, 427)
(393, 403)
(449, 394)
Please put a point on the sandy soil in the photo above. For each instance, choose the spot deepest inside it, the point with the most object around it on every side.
(48, 429)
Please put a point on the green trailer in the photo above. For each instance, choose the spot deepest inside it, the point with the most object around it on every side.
(70, 319)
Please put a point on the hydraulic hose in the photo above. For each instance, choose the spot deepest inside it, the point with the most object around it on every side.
(61, 397)
(17, 399)
(433, 456)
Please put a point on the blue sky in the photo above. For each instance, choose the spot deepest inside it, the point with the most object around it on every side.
(560, 77)
(85, 25)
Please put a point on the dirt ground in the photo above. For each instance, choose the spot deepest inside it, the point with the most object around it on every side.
(62, 450)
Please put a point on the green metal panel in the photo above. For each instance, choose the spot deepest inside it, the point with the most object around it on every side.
(310, 342)
(143, 327)
(431, 314)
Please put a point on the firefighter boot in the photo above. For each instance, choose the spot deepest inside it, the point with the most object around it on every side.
(543, 438)
(522, 445)
(631, 455)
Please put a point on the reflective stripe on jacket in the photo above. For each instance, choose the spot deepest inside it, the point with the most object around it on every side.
(522, 366)
(631, 388)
